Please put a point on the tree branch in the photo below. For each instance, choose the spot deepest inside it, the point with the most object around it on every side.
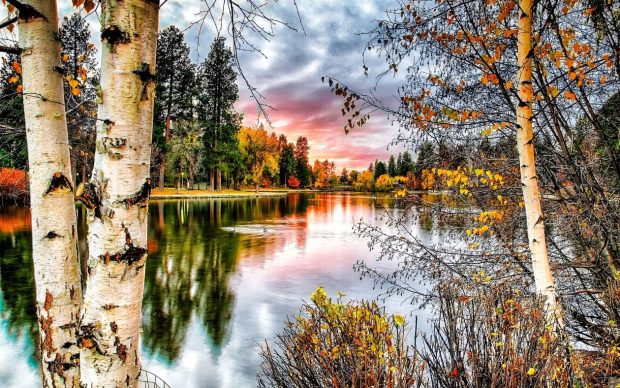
(26, 11)
(8, 22)
(10, 50)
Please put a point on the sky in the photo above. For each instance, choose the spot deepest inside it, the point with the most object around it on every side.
(289, 74)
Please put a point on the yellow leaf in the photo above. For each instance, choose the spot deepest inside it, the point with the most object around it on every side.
(13, 79)
(73, 83)
(399, 320)
(531, 372)
(65, 57)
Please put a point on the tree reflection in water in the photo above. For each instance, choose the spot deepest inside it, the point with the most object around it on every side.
(191, 263)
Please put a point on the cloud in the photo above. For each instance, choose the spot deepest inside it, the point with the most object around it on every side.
(331, 43)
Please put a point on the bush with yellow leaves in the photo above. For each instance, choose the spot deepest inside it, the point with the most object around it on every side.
(337, 344)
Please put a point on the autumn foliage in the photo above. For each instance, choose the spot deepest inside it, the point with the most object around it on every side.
(13, 183)
(293, 182)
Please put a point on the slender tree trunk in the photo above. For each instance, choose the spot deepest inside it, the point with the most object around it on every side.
(162, 165)
(119, 189)
(545, 284)
(218, 176)
(54, 235)
(212, 179)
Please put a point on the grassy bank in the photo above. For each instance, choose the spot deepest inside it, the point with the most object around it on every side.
(172, 193)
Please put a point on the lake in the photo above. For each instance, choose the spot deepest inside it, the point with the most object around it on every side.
(221, 277)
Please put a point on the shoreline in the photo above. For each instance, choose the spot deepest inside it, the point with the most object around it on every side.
(170, 193)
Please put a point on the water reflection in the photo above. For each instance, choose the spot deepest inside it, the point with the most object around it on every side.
(221, 276)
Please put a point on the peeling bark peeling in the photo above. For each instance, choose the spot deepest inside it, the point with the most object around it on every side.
(56, 264)
(88, 194)
(59, 182)
(118, 195)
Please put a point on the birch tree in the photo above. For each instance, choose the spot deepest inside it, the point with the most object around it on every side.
(54, 235)
(117, 195)
(545, 284)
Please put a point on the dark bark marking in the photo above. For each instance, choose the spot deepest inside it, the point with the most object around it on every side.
(146, 77)
(141, 196)
(129, 256)
(114, 35)
(87, 338)
(56, 366)
(121, 350)
(68, 326)
(59, 181)
(88, 194)
(113, 327)
(52, 235)
(109, 306)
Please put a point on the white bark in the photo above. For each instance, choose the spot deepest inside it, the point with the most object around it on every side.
(118, 193)
(54, 236)
(545, 284)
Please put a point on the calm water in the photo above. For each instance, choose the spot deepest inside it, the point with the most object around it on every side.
(222, 276)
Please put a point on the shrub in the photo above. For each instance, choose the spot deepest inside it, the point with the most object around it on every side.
(336, 344)
(384, 183)
(293, 182)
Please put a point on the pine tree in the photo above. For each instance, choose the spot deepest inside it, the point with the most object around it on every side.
(380, 169)
(174, 83)
(426, 158)
(218, 93)
(302, 168)
(80, 87)
(406, 164)
(391, 168)
(399, 165)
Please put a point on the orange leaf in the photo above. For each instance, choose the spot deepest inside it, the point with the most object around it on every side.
(570, 95)
(19, 88)
(74, 83)
(89, 5)
(17, 67)
(13, 79)
(75, 91)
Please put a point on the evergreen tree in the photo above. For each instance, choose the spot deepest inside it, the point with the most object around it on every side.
(287, 163)
(380, 169)
(81, 82)
(174, 83)
(426, 158)
(399, 165)
(406, 164)
(302, 168)
(391, 167)
(218, 92)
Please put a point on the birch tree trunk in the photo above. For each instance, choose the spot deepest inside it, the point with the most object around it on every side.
(117, 195)
(545, 284)
(54, 235)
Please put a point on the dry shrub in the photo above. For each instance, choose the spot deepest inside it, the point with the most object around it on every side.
(494, 336)
(336, 344)
(484, 335)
